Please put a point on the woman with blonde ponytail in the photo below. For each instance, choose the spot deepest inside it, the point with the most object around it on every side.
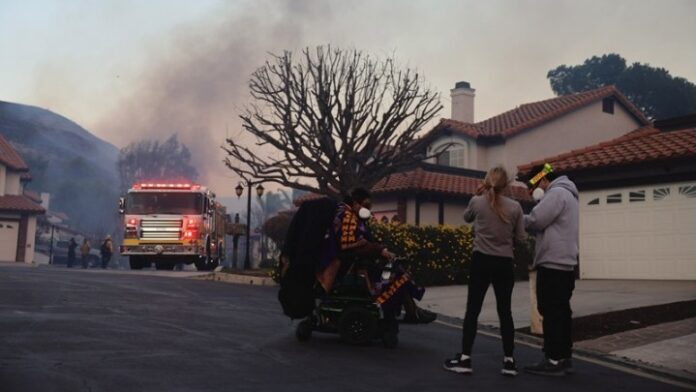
(497, 223)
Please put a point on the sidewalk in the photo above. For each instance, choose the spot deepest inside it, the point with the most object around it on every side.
(664, 348)
(589, 297)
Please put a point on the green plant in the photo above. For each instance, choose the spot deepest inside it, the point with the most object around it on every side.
(436, 255)
(441, 255)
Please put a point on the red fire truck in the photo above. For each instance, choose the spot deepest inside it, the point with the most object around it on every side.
(171, 223)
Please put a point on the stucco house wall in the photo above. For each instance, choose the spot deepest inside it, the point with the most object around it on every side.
(454, 213)
(13, 185)
(3, 176)
(580, 128)
(429, 213)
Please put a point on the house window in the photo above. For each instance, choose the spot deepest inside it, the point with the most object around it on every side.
(608, 105)
(593, 202)
(455, 156)
(660, 193)
(636, 196)
(614, 198)
(443, 159)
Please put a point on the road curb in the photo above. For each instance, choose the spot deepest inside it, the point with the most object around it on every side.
(238, 279)
(615, 361)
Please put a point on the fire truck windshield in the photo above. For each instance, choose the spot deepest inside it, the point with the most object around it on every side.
(164, 203)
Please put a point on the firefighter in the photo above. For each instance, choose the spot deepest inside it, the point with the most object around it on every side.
(106, 250)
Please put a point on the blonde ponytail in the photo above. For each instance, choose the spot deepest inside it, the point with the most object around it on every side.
(494, 184)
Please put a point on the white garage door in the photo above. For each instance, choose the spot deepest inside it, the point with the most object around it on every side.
(639, 233)
(9, 231)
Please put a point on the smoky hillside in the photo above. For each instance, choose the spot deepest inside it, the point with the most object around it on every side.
(67, 161)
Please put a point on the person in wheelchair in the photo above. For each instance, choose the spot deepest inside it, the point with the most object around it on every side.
(353, 249)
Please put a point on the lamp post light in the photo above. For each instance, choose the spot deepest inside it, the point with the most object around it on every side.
(239, 189)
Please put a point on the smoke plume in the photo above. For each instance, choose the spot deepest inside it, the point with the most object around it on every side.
(198, 85)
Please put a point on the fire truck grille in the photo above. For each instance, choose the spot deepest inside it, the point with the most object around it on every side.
(161, 229)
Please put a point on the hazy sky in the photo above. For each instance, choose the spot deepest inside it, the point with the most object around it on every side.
(130, 69)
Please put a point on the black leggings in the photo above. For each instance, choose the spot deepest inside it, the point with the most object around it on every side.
(486, 270)
(554, 290)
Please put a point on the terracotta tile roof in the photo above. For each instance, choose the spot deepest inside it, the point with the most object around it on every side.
(9, 156)
(536, 113)
(19, 203)
(533, 114)
(463, 128)
(33, 196)
(645, 144)
(421, 180)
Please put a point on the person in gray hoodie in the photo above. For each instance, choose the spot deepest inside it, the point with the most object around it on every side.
(555, 223)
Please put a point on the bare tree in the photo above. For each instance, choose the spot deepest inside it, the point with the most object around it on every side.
(337, 119)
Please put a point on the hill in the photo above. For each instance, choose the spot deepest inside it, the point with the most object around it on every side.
(75, 167)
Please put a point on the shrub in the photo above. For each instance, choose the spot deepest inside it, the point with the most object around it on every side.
(436, 255)
(441, 255)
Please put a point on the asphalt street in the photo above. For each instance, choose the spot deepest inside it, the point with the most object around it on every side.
(76, 330)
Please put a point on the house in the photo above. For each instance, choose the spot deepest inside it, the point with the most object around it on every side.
(438, 192)
(17, 212)
(637, 195)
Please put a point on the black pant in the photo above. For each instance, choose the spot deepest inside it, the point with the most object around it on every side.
(554, 289)
(499, 271)
(105, 260)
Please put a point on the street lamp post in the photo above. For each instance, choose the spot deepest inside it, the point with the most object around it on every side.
(235, 242)
(259, 191)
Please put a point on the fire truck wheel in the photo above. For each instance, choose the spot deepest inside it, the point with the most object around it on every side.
(201, 265)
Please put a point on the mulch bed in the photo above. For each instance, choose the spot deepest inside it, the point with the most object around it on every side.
(597, 325)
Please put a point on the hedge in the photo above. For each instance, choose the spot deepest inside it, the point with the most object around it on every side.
(441, 255)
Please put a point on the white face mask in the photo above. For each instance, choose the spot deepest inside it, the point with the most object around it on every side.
(537, 194)
(364, 213)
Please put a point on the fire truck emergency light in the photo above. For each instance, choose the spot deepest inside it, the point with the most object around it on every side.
(151, 185)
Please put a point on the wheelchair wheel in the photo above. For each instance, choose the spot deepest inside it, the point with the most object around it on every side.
(357, 326)
(304, 330)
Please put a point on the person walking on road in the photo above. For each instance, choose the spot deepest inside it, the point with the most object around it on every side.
(107, 249)
(84, 252)
(71, 252)
(497, 223)
(555, 221)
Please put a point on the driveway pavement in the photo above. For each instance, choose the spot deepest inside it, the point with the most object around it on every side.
(589, 297)
(75, 330)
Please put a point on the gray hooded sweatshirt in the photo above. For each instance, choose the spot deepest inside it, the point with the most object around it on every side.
(555, 220)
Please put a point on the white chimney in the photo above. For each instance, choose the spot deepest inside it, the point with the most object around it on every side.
(463, 102)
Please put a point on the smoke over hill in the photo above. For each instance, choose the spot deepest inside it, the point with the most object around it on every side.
(74, 166)
(197, 87)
